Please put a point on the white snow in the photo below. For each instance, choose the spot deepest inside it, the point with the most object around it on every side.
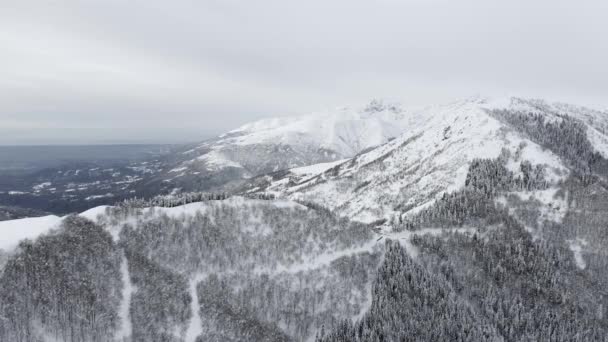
(43, 334)
(178, 169)
(282, 203)
(418, 209)
(316, 168)
(576, 246)
(93, 213)
(125, 331)
(345, 130)
(41, 186)
(93, 197)
(13, 231)
(524, 150)
(189, 209)
(598, 140)
(216, 160)
(195, 326)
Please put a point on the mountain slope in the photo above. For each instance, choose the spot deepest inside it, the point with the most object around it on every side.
(282, 143)
(432, 157)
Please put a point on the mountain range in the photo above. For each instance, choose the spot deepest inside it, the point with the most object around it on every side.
(479, 220)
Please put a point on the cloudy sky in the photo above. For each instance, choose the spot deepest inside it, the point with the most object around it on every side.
(107, 71)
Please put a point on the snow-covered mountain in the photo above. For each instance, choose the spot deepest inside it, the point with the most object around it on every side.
(433, 157)
(487, 222)
(282, 143)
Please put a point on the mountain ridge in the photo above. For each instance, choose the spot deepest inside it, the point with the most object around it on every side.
(438, 152)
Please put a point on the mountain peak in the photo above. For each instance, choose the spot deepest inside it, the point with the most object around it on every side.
(380, 105)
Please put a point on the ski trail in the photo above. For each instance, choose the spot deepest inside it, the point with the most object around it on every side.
(125, 331)
(195, 327)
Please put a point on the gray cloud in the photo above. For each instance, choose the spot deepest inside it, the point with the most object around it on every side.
(86, 71)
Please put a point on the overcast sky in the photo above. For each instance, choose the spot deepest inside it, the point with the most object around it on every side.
(168, 71)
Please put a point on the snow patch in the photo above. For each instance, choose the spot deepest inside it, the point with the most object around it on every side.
(316, 168)
(577, 246)
(216, 160)
(41, 186)
(178, 169)
(94, 197)
(525, 150)
(126, 329)
(13, 231)
(195, 326)
(599, 141)
(94, 213)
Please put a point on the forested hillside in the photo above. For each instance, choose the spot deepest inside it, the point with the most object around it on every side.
(243, 269)
(499, 233)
